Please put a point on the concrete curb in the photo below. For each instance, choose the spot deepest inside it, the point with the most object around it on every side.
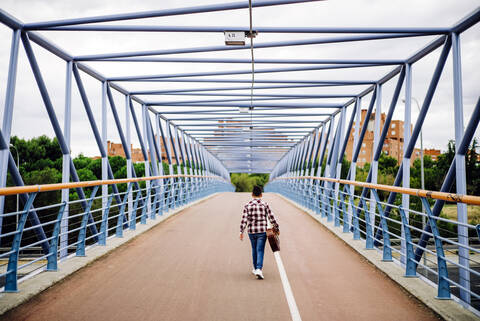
(39, 283)
(447, 309)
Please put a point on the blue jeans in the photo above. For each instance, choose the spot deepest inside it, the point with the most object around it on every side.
(258, 248)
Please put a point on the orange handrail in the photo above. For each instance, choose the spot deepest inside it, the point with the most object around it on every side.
(450, 197)
(55, 187)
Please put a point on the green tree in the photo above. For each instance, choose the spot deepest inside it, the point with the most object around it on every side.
(45, 176)
(95, 166)
(244, 182)
(116, 163)
(443, 162)
(473, 169)
(139, 169)
(84, 174)
(36, 153)
(345, 167)
(387, 164)
(431, 171)
(82, 162)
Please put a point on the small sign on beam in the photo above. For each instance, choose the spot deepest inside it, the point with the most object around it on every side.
(235, 38)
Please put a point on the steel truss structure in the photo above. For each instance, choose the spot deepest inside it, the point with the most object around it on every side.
(269, 135)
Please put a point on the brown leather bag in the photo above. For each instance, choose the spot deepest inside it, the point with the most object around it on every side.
(273, 239)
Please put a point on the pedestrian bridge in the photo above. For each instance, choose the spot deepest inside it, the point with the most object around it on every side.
(354, 247)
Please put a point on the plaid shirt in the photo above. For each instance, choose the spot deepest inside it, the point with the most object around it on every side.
(255, 217)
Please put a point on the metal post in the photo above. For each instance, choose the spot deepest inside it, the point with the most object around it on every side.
(298, 167)
(197, 171)
(308, 154)
(376, 139)
(170, 197)
(149, 136)
(305, 170)
(333, 164)
(105, 147)
(330, 146)
(315, 152)
(460, 177)
(311, 185)
(186, 160)
(323, 147)
(203, 171)
(129, 148)
(353, 164)
(422, 175)
(66, 161)
(180, 162)
(327, 172)
(339, 159)
(406, 161)
(8, 115)
(148, 202)
(159, 161)
(323, 143)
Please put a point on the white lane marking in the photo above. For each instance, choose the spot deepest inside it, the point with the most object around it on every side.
(292, 305)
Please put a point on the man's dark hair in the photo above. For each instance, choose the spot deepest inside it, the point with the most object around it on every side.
(257, 191)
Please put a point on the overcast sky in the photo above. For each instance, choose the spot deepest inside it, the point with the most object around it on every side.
(30, 118)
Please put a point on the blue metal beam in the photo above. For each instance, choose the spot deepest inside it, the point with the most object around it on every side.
(275, 44)
(162, 13)
(383, 62)
(222, 29)
(240, 72)
(270, 105)
(274, 97)
(232, 117)
(9, 20)
(298, 96)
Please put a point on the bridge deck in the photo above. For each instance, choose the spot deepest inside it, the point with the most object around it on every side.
(193, 267)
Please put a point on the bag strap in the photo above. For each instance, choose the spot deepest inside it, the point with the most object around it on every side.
(269, 225)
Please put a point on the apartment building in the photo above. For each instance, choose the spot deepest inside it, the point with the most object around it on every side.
(393, 145)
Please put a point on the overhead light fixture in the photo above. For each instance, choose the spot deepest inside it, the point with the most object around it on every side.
(235, 38)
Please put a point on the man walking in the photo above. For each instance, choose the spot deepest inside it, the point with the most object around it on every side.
(255, 215)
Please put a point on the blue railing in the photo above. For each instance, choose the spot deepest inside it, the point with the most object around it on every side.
(398, 233)
(68, 229)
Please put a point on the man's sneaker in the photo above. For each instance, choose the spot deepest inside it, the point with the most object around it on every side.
(254, 272)
(259, 274)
